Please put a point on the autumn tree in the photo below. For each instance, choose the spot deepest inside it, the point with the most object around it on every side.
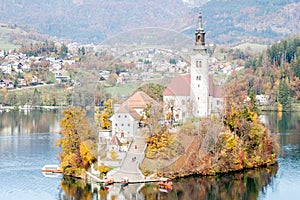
(106, 114)
(151, 117)
(77, 142)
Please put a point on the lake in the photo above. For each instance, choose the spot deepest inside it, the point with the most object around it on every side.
(27, 143)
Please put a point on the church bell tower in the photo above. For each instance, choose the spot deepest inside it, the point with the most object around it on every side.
(199, 73)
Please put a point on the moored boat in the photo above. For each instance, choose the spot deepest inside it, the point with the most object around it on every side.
(124, 181)
(165, 185)
(51, 169)
(108, 180)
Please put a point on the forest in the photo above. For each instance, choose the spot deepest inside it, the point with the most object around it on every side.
(276, 72)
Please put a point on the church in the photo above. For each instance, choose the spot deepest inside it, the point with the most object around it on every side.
(194, 94)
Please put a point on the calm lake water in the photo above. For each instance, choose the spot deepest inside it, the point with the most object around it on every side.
(27, 143)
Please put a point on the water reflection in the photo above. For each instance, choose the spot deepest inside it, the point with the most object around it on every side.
(29, 121)
(285, 122)
(241, 185)
(80, 189)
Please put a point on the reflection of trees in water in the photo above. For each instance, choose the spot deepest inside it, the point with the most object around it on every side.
(75, 189)
(243, 185)
(282, 122)
(33, 121)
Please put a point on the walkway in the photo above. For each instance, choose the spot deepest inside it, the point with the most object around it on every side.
(131, 162)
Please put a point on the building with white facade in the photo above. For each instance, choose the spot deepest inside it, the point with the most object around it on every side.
(194, 95)
(127, 116)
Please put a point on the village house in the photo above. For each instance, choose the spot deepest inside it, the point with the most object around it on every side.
(6, 67)
(6, 84)
(127, 116)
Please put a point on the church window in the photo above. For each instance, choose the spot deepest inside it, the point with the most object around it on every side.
(128, 124)
(198, 98)
(198, 63)
(116, 124)
(125, 116)
(119, 116)
(198, 85)
(122, 124)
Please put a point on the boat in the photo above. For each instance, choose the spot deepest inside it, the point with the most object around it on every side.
(108, 180)
(165, 185)
(51, 169)
(124, 181)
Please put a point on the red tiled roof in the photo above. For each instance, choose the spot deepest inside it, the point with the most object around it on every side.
(140, 100)
(179, 86)
(137, 100)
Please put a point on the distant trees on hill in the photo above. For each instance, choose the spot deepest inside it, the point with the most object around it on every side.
(276, 72)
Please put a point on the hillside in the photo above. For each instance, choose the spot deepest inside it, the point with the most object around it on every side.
(228, 21)
(225, 21)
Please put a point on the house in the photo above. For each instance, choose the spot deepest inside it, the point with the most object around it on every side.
(127, 116)
(6, 84)
(262, 99)
(194, 94)
(61, 75)
(6, 67)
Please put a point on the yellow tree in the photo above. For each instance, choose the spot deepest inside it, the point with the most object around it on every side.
(106, 114)
(77, 142)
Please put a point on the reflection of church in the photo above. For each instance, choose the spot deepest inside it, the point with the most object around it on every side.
(194, 95)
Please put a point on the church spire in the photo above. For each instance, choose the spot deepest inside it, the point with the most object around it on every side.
(200, 25)
(200, 35)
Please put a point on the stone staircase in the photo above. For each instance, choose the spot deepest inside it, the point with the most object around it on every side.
(131, 162)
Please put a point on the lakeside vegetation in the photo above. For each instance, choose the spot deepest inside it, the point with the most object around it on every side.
(238, 140)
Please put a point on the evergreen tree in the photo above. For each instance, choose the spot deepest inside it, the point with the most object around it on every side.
(297, 68)
(63, 51)
(284, 94)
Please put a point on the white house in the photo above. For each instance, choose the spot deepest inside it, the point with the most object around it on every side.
(127, 116)
(262, 99)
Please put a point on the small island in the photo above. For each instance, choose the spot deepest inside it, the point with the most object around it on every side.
(190, 127)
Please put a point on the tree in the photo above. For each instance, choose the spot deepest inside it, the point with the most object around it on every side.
(171, 105)
(151, 118)
(297, 68)
(63, 51)
(284, 94)
(76, 143)
(106, 114)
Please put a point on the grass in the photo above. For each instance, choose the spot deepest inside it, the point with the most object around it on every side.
(5, 33)
(123, 89)
(252, 47)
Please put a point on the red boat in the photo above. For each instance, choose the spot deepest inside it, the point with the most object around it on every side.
(165, 185)
(108, 180)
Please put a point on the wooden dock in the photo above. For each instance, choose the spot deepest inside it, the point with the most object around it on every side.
(98, 180)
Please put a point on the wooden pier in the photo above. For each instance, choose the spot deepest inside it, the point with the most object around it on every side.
(118, 180)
